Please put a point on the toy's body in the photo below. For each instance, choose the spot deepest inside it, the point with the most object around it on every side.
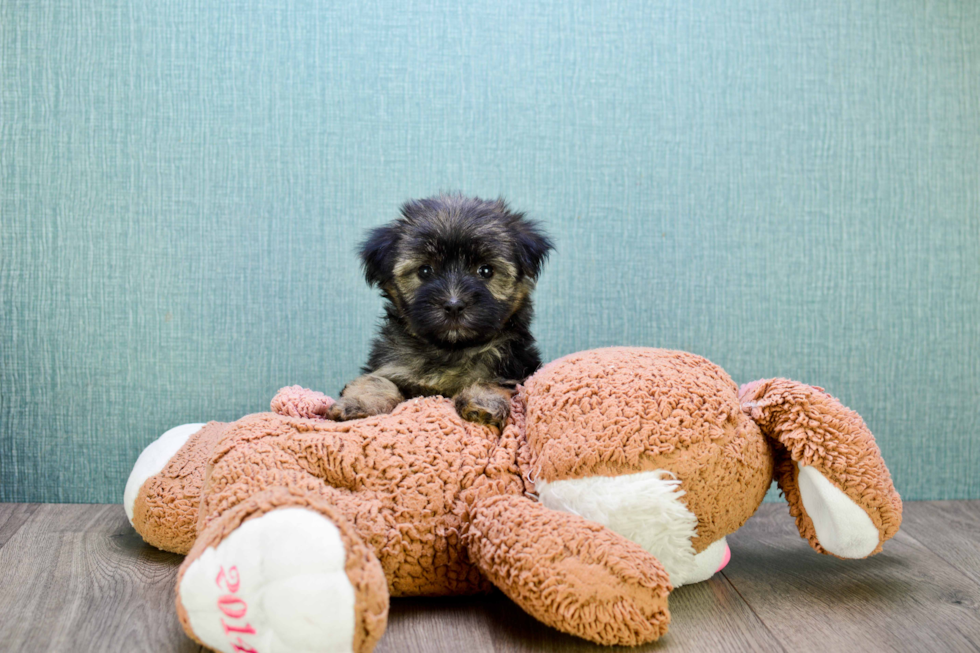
(618, 475)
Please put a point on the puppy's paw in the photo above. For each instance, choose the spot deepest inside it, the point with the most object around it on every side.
(484, 404)
(347, 408)
(365, 396)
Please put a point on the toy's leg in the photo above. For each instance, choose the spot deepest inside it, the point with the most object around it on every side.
(163, 493)
(828, 467)
(276, 567)
(570, 573)
(282, 571)
(646, 508)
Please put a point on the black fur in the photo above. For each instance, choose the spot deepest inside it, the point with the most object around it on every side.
(378, 254)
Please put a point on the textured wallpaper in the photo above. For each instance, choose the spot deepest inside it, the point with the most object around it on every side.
(788, 188)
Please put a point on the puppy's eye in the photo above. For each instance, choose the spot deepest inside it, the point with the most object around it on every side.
(485, 271)
(425, 271)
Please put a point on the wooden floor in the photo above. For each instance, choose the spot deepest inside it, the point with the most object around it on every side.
(78, 578)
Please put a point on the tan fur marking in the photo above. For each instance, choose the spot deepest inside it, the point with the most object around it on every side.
(502, 284)
(406, 265)
(521, 293)
(406, 276)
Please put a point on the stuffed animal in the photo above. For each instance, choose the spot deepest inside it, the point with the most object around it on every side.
(616, 479)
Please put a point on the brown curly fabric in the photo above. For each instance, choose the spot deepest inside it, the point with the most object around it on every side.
(168, 505)
(570, 573)
(620, 410)
(297, 401)
(441, 506)
(396, 478)
(411, 485)
(815, 429)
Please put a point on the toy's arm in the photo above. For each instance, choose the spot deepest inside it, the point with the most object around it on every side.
(297, 401)
(572, 574)
(828, 467)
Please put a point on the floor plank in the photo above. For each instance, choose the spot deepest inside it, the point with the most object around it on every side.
(906, 598)
(12, 517)
(78, 578)
(711, 616)
(708, 616)
(437, 625)
(950, 529)
(705, 617)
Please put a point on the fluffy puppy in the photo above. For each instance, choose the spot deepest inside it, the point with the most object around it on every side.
(456, 274)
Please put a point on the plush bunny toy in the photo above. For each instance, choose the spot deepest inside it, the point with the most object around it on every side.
(615, 480)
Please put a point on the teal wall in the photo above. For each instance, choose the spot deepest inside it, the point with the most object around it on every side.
(788, 188)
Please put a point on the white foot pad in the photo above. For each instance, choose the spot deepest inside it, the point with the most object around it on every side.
(153, 459)
(276, 584)
(842, 526)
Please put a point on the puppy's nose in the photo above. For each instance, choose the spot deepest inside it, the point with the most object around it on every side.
(453, 306)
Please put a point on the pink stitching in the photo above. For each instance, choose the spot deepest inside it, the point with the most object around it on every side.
(225, 603)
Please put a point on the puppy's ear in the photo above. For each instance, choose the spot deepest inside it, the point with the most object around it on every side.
(532, 246)
(377, 254)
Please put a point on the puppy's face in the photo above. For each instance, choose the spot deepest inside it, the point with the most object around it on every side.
(456, 268)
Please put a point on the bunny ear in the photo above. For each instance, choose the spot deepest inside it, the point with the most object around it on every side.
(827, 465)
(377, 254)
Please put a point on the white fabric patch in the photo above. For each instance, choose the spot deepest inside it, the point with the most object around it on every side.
(842, 526)
(153, 459)
(291, 593)
(643, 507)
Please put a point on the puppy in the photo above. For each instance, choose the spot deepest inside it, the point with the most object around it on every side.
(456, 274)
